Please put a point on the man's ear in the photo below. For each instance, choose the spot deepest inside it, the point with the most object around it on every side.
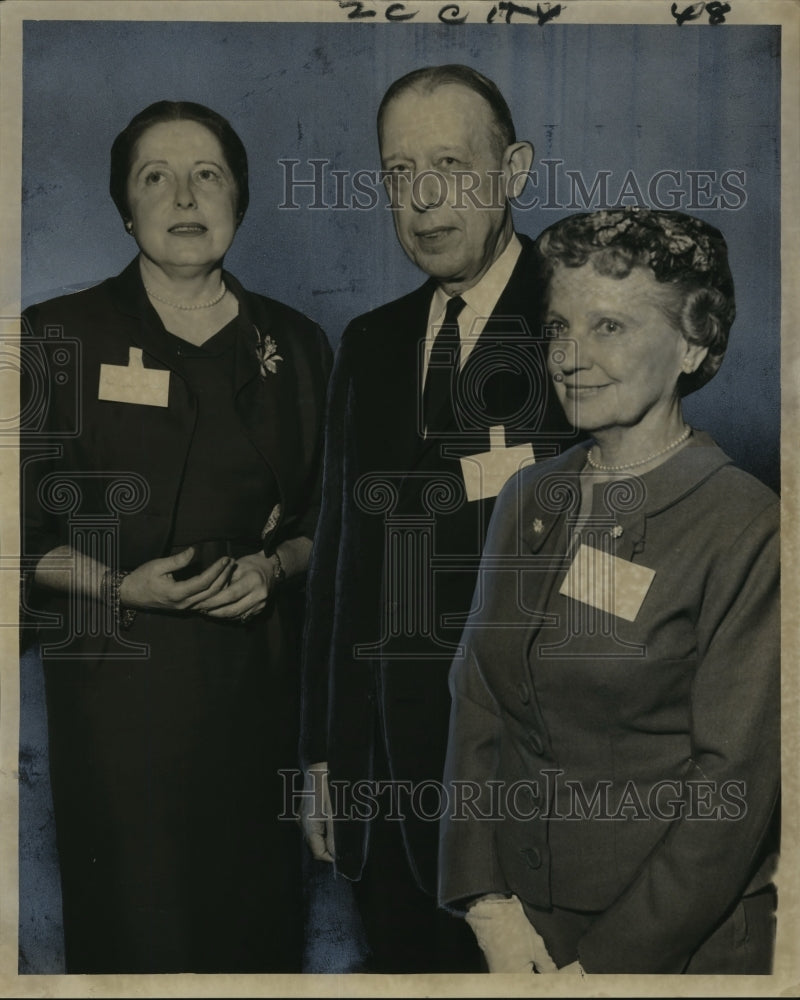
(517, 160)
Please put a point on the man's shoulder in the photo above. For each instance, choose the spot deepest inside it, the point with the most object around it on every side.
(393, 313)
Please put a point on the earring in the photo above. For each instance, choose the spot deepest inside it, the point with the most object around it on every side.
(129, 227)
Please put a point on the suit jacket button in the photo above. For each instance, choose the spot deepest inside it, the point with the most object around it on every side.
(533, 858)
(524, 693)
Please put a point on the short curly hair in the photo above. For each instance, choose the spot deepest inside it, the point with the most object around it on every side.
(682, 251)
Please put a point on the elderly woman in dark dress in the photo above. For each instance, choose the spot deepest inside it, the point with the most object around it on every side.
(168, 515)
(616, 715)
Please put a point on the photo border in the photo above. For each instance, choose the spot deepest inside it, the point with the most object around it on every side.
(785, 979)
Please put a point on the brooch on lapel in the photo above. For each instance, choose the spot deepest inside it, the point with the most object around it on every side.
(267, 354)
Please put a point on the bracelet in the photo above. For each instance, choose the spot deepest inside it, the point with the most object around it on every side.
(109, 595)
(279, 573)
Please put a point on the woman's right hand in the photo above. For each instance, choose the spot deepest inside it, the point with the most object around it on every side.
(507, 938)
(152, 586)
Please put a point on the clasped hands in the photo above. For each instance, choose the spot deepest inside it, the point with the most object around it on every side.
(227, 590)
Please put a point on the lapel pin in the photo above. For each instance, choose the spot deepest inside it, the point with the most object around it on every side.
(267, 353)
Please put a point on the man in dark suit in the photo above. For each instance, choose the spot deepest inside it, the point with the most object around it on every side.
(435, 400)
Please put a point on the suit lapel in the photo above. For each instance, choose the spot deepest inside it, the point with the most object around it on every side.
(523, 290)
(507, 359)
(390, 381)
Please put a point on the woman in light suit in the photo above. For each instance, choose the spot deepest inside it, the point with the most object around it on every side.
(615, 721)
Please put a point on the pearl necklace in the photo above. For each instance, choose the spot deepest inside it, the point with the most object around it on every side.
(178, 305)
(642, 461)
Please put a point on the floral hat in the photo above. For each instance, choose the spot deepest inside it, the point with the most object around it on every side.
(673, 244)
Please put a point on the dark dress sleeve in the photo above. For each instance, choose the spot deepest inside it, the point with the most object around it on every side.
(48, 410)
(49, 418)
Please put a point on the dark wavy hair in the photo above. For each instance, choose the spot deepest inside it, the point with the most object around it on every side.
(123, 148)
(428, 78)
(683, 252)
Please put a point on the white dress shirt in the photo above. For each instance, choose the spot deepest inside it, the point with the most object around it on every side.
(480, 302)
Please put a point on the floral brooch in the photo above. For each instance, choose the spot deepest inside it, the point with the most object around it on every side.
(267, 354)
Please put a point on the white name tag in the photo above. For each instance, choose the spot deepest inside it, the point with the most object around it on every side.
(607, 582)
(134, 383)
(486, 473)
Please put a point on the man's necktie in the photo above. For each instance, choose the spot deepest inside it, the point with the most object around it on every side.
(443, 365)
